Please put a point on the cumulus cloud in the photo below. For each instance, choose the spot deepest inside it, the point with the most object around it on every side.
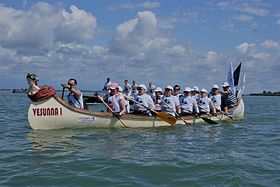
(39, 29)
(244, 47)
(270, 44)
(260, 55)
(253, 10)
(131, 5)
(212, 56)
(137, 35)
(243, 18)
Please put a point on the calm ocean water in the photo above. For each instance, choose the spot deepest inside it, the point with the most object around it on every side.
(244, 153)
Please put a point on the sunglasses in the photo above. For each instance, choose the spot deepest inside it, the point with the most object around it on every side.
(71, 84)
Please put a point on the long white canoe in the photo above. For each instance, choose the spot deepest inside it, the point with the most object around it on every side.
(55, 113)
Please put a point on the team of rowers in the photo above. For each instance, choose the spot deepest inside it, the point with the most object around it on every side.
(138, 99)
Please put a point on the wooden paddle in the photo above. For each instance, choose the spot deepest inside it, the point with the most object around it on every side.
(114, 114)
(163, 116)
(187, 123)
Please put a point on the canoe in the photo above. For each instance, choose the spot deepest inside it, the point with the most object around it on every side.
(55, 113)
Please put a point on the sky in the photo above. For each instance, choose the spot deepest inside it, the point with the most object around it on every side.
(185, 42)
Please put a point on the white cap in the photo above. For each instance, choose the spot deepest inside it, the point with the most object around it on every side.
(158, 89)
(203, 90)
(225, 84)
(142, 86)
(120, 88)
(195, 88)
(215, 86)
(169, 87)
(187, 89)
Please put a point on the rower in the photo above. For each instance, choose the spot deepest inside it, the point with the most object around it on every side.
(157, 99)
(228, 98)
(205, 104)
(176, 91)
(188, 103)
(196, 93)
(75, 97)
(170, 102)
(216, 97)
(116, 100)
(142, 99)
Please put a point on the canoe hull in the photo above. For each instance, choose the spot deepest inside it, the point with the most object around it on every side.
(54, 113)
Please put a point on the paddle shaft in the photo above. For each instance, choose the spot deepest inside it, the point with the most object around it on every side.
(187, 123)
(63, 89)
(114, 114)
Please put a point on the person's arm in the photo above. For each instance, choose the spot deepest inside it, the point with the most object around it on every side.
(212, 107)
(150, 101)
(122, 106)
(177, 105)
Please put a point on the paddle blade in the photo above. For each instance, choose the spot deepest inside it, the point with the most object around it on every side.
(166, 117)
(210, 121)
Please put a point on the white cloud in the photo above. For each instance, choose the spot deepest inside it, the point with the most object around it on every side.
(243, 18)
(39, 29)
(212, 56)
(78, 25)
(149, 4)
(253, 10)
(260, 55)
(244, 47)
(177, 50)
(137, 35)
(270, 44)
(130, 5)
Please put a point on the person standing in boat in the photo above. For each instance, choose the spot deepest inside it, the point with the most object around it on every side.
(134, 88)
(75, 97)
(32, 80)
(142, 99)
(151, 89)
(188, 103)
(216, 97)
(107, 84)
(170, 103)
(116, 100)
(205, 104)
(127, 88)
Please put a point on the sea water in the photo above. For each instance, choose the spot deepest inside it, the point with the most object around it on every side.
(242, 153)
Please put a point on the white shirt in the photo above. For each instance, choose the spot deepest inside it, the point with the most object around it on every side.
(127, 89)
(145, 100)
(114, 102)
(75, 101)
(187, 104)
(204, 104)
(107, 85)
(217, 101)
(172, 103)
